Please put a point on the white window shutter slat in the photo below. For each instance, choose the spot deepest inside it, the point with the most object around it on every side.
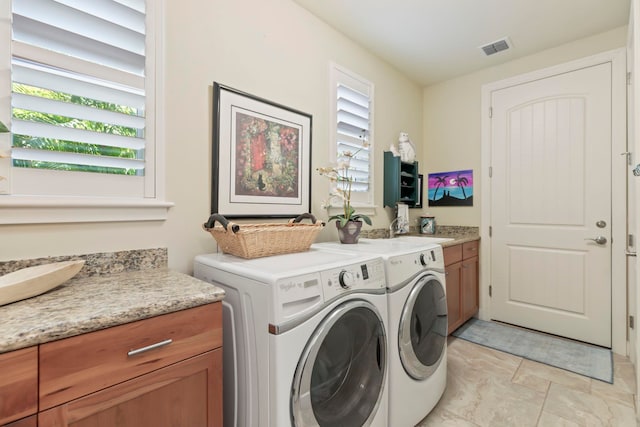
(44, 130)
(83, 112)
(76, 159)
(83, 86)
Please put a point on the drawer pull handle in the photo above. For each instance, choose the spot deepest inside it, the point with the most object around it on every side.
(149, 347)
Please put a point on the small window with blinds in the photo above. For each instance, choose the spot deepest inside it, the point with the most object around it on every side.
(353, 130)
(80, 89)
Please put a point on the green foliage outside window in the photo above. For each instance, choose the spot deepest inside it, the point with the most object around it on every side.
(52, 144)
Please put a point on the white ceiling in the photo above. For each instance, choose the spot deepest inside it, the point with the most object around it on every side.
(434, 40)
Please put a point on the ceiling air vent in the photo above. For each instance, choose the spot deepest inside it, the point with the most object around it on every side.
(496, 46)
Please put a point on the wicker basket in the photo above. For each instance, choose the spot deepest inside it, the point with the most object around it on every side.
(260, 240)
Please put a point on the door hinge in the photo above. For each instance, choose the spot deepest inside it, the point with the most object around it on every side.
(629, 78)
(490, 171)
(490, 291)
(490, 231)
(490, 112)
(631, 322)
(630, 240)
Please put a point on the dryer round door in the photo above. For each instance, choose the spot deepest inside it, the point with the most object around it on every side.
(340, 376)
(422, 333)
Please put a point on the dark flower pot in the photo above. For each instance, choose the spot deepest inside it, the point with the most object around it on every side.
(350, 233)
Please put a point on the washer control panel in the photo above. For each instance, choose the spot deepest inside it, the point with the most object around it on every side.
(299, 294)
(354, 277)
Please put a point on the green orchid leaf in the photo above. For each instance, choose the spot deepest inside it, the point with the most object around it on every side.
(365, 218)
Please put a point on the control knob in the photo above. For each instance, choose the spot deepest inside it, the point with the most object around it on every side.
(347, 279)
(423, 260)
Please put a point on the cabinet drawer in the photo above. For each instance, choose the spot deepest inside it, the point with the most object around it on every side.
(79, 365)
(470, 249)
(452, 254)
(18, 384)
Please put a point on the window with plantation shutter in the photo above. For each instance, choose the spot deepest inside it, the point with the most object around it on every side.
(353, 98)
(83, 100)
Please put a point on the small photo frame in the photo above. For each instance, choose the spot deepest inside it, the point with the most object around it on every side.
(420, 191)
(261, 157)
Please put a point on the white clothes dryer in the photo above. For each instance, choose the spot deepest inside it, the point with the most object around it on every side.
(416, 291)
(305, 339)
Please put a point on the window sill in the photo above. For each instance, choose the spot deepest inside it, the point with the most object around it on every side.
(369, 210)
(48, 210)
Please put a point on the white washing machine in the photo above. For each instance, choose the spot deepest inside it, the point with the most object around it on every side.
(416, 291)
(305, 339)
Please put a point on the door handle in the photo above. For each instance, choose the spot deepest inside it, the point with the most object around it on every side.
(601, 240)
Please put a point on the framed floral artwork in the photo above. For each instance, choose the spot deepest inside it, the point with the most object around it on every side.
(261, 165)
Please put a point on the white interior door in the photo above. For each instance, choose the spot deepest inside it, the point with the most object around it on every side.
(551, 204)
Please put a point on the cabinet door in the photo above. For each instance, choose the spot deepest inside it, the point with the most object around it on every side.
(454, 280)
(31, 421)
(188, 393)
(18, 384)
(469, 287)
(391, 179)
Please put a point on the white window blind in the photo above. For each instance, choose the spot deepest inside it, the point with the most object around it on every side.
(80, 123)
(353, 133)
(353, 129)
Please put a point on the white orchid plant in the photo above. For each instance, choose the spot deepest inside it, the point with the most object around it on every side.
(341, 181)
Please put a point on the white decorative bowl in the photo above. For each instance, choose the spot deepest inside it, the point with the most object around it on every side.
(31, 281)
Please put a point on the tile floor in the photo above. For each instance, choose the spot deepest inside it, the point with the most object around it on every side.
(486, 387)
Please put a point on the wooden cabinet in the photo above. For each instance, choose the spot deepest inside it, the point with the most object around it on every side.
(188, 393)
(461, 268)
(31, 421)
(18, 385)
(76, 366)
(400, 181)
(161, 371)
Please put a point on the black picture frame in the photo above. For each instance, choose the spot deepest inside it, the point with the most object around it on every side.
(261, 157)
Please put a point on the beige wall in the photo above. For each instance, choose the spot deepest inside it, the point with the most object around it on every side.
(272, 49)
(452, 116)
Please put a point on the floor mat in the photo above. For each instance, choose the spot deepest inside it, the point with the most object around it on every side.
(584, 359)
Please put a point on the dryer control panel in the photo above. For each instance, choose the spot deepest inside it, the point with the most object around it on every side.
(406, 265)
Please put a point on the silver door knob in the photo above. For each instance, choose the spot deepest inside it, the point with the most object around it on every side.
(601, 240)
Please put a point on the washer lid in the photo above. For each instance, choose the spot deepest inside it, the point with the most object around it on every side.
(382, 247)
(270, 269)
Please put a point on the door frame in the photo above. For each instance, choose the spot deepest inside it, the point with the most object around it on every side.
(617, 58)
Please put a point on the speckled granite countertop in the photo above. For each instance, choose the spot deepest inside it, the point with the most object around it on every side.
(459, 234)
(91, 301)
